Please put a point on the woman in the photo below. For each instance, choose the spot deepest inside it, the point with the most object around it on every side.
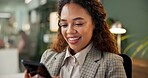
(84, 47)
(24, 48)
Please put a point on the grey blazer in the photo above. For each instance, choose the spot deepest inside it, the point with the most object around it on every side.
(96, 65)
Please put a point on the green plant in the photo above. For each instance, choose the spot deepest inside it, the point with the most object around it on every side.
(139, 46)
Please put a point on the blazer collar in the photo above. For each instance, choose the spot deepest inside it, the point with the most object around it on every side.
(89, 68)
(91, 64)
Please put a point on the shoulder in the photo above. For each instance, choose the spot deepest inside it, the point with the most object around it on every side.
(112, 57)
(52, 60)
(50, 54)
(114, 65)
(112, 60)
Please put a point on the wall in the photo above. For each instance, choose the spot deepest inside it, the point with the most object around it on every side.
(134, 16)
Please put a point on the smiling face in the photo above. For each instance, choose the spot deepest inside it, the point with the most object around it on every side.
(76, 26)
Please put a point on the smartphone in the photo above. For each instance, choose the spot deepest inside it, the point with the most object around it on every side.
(36, 68)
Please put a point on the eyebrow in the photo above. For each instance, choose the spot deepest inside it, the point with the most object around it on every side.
(77, 18)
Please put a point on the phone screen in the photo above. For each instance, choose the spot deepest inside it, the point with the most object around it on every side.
(36, 68)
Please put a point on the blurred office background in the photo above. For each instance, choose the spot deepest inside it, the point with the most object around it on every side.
(38, 19)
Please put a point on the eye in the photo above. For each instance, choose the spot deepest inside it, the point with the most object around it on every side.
(64, 25)
(78, 24)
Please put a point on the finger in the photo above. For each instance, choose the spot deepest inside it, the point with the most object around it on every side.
(27, 74)
(55, 77)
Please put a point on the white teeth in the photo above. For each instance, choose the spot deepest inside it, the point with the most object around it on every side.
(72, 38)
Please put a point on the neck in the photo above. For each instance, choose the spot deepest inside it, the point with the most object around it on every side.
(72, 52)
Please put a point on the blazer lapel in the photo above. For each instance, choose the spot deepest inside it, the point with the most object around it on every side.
(91, 64)
(57, 64)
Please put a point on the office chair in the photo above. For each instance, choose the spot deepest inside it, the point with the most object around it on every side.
(127, 65)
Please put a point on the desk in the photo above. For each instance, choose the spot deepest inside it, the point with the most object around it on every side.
(140, 68)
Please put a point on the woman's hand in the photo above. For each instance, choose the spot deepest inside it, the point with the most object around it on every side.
(27, 75)
(56, 77)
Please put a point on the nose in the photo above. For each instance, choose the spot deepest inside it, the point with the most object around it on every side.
(71, 30)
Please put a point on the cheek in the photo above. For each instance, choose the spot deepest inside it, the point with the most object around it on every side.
(84, 32)
(88, 33)
(63, 32)
(88, 30)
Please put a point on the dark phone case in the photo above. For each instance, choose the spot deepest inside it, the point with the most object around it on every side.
(36, 68)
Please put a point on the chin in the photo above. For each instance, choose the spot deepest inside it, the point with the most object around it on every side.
(75, 48)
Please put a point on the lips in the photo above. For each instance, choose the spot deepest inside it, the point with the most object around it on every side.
(73, 40)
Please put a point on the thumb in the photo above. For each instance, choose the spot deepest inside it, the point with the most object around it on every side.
(27, 74)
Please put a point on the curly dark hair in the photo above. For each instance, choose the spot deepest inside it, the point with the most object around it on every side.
(102, 38)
